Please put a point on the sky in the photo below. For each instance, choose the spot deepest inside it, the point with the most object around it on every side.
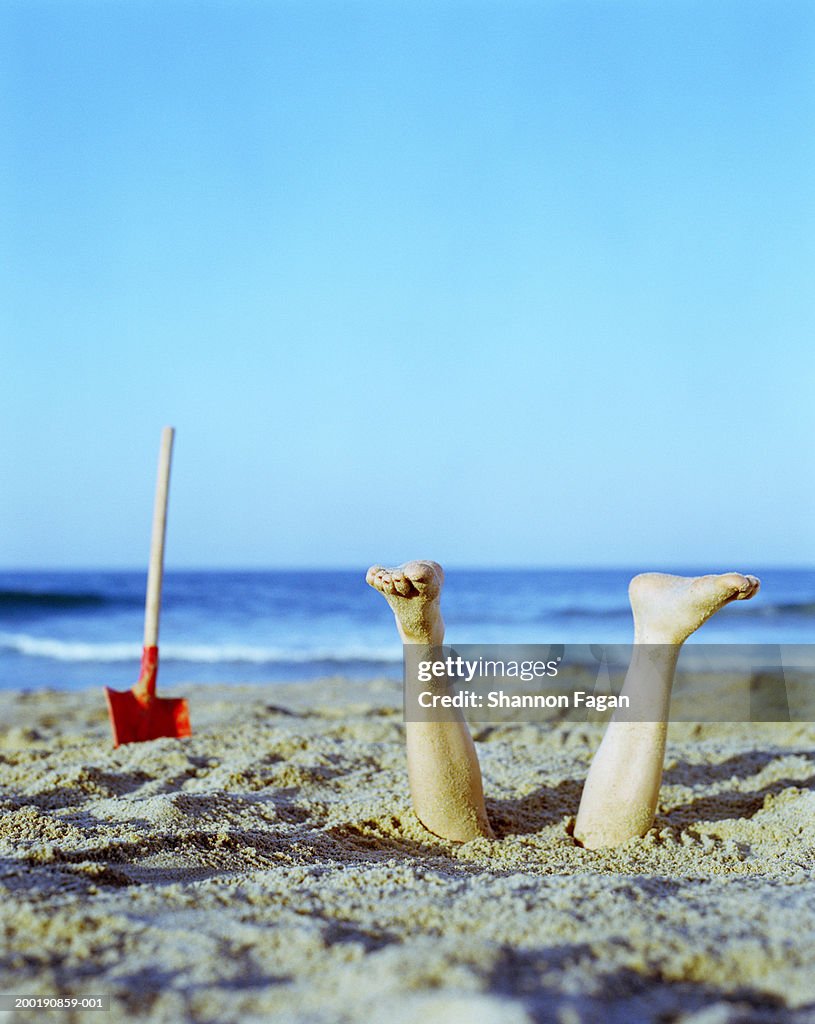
(499, 284)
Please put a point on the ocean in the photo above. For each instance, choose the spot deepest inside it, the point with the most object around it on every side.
(70, 630)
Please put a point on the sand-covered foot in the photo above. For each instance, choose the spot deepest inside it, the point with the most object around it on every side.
(667, 609)
(413, 591)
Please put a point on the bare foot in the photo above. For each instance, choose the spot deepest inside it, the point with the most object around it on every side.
(413, 592)
(667, 609)
(622, 788)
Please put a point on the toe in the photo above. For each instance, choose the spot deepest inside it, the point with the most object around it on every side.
(737, 586)
(732, 581)
(749, 588)
(420, 574)
(401, 583)
(371, 574)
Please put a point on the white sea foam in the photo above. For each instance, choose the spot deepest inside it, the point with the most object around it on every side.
(65, 650)
(78, 651)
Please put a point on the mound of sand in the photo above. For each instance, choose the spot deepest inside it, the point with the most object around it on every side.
(270, 868)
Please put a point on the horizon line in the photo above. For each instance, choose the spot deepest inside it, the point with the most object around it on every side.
(454, 566)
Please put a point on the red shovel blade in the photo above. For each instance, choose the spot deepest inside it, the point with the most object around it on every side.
(138, 714)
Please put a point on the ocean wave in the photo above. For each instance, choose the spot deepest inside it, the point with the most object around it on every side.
(806, 607)
(78, 651)
(588, 613)
(791, 608)
(25, 600)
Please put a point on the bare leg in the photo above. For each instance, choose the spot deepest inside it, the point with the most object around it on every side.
(445, 778)
(622, 788)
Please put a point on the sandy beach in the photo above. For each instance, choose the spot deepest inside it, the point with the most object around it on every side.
(271, 868)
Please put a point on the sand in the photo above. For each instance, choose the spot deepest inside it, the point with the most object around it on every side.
(270, 868)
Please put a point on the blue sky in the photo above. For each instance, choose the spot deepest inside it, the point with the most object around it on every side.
(493, 283)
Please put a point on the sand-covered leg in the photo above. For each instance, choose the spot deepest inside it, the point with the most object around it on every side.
(622, 788)
(445, 777)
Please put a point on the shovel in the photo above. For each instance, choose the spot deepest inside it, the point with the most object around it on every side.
(138, 714)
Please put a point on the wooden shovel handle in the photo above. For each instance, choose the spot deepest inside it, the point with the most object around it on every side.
(155, 572)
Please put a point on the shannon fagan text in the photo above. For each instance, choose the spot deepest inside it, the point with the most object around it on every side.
(500, 699)
(459, 668)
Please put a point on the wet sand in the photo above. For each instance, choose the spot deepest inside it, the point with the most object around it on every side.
(270, 868)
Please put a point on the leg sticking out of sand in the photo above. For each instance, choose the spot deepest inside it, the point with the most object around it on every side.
(445, 778)
(621, 791)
